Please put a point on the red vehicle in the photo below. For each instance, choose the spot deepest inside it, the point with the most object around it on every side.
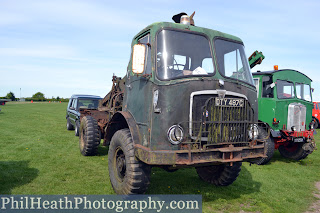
(316, 114)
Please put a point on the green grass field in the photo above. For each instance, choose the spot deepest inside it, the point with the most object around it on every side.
(39, 156)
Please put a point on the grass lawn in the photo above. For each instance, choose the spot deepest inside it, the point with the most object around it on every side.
(39, 156)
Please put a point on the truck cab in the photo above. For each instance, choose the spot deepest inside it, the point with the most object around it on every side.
(285, 104)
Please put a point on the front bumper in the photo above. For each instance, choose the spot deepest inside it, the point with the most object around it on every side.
(191, 157)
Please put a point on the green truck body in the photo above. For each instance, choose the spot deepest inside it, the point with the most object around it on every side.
(285, 104)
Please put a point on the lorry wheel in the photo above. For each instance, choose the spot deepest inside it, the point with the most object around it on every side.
(127, 174)
(293, 151)
(76, 129)
(269, 148)
(89, 136)
(316, 124)
(220, 175)
(69, 125)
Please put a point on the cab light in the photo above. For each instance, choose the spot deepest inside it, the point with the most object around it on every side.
(185, 20)
(275, 67)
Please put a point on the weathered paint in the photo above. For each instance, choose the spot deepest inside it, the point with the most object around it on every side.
(173, 107)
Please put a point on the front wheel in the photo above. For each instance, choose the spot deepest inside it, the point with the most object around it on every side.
(76, 129)
(269, 147)
(293, 151)
(127, 174)
(220, 175)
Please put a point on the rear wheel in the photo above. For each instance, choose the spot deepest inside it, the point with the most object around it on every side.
(89, 136)
(127, 174)
(316, 124)
(220, 175)
(293, 151)
(69, 125)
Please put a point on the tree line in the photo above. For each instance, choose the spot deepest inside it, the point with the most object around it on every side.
(39, 96)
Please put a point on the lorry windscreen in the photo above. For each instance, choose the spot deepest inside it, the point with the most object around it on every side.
(303, 91)
(181, 54)
(232, 60)
(285, 89)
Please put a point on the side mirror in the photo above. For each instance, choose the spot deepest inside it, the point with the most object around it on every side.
(138, 58)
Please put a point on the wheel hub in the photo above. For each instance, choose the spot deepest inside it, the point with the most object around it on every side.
(120, 164)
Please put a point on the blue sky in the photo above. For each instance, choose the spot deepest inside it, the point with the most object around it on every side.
(63, 47)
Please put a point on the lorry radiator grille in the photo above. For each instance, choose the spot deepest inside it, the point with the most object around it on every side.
(296, 116)
(220, 124)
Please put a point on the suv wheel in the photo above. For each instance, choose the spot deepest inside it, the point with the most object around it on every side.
(128, 175)
(77, 127)
(69, 125)
(89, 136)
(220, 175)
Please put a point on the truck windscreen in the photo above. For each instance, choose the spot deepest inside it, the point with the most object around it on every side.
(181, 54)
(232, 60)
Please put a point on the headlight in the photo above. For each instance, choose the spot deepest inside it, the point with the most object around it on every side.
(293, 128)
(175, 134)
(253, 131)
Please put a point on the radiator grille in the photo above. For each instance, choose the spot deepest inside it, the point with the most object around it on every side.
(219, 124)
(296, 116)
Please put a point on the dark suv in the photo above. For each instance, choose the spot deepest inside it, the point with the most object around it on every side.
(75, 103)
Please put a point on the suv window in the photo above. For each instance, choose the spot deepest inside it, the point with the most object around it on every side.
(88, 103)
(285, 89)
(73, 104)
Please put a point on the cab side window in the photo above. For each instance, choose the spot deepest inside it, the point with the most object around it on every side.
(256, 84)
(146, 40)
(267, 90)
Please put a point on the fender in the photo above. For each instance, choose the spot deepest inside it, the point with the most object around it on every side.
(122, 120)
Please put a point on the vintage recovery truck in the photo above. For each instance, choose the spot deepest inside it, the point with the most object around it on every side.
(188, 100)
(285, 104)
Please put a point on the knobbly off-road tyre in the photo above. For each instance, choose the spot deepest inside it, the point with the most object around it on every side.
(127, 174)
(69, 125)
(89, 136)
(220, 175)
(77, 128)
(293, 151)
(269, 148)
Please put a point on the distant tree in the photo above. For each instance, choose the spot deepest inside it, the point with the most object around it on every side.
(38, 95)
(58, 98)
(11, 96)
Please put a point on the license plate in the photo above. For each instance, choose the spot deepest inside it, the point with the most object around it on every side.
(298, 140)
(229, 102)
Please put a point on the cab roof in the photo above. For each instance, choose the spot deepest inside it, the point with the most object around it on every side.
(273, 72)
(86, 96)
(155, 27)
